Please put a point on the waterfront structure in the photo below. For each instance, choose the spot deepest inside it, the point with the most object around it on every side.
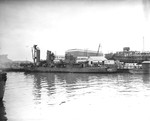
(2, 84)
(97, 59)
(82, 59)
(82, 53)
(93, 59)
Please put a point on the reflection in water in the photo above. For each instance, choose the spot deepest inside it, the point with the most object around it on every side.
(46, 96)
(2, 112)
(61, 87)
(43, 82)
(72, 84)
(72, 78)
(48, 85)
(56, 83)
(37, 88)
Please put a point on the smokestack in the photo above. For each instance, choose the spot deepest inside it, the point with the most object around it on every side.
(36, 55)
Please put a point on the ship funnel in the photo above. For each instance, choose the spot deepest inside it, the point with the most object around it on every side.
(36, 54)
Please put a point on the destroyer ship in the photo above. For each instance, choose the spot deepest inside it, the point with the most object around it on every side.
(74, 61)
(128, 56)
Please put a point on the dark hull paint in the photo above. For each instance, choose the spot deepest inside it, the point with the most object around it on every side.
(72, 70)
(136, 71)
(123, 70)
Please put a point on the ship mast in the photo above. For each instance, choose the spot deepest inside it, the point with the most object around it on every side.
(143, 44)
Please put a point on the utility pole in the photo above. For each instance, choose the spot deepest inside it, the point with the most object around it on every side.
(143, 44)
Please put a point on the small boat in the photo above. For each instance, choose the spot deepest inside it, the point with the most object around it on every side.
(3, 78)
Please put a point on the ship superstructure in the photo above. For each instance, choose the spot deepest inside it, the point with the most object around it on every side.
(128, 56)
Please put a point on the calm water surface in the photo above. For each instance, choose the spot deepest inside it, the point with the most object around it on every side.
(76, 97)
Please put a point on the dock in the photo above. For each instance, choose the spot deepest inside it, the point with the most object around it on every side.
(3, 78)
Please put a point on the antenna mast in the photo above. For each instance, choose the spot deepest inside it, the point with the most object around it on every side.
(143, 43)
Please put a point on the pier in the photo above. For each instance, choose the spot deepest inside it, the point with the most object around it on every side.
(3, 78)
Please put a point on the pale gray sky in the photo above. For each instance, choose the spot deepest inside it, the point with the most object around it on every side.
(59, 26)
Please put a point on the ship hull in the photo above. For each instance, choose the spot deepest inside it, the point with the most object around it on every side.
(136, 71)
(139, 71)
(72, 70)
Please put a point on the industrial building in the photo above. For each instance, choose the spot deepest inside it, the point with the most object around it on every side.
(82, 53)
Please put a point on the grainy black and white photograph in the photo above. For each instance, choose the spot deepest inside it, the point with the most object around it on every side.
(74, 60)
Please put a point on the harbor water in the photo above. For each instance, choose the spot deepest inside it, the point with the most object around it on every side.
(76, 97)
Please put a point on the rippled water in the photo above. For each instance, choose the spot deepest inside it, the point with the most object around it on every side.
(76, 97)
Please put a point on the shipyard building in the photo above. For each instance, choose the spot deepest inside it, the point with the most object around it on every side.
(82, 53)
(86, 55)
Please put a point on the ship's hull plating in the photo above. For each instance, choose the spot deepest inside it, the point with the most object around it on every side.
(72, 70)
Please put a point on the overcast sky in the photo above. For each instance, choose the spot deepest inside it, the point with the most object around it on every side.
(62, 25)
